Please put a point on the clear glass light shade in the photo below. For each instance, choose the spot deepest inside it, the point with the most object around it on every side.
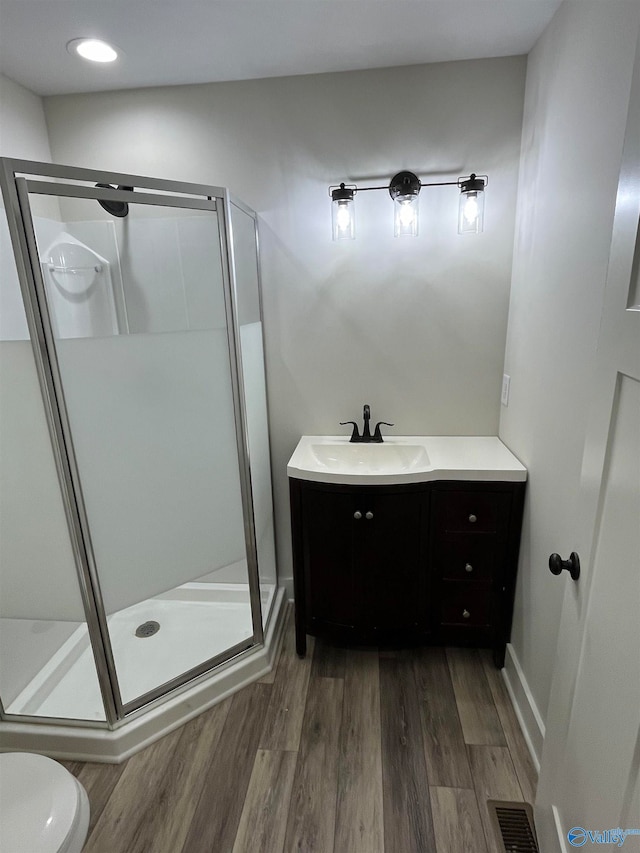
(471, 212)
(405, 219)
(343, 220)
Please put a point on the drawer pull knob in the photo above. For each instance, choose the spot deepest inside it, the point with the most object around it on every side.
(465, 614)
(468, 568)
(368, 516)
(473, 518)
(357, 515)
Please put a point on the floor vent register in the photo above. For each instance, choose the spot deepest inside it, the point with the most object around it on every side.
(513, 826)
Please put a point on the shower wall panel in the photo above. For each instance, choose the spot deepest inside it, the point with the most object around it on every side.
(171, 273)
(100, 235)
(13, 322)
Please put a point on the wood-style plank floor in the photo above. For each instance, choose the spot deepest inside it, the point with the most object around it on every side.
(346, 751)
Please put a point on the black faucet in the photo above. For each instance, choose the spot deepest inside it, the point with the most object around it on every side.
(366, 436)
(366, 416)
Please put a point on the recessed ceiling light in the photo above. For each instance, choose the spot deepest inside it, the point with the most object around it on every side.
(94, 50)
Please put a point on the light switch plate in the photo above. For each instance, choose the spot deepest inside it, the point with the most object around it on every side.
(506, 382)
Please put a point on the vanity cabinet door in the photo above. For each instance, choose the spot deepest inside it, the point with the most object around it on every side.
(392, 561)
(332, 593)
(363, 555)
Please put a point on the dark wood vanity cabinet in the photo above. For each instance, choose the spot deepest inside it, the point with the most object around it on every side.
(429, 562)
(359, 550)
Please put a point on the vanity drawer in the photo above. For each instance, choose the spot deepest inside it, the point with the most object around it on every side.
(472, 511)
(468, 556)
(465, 604)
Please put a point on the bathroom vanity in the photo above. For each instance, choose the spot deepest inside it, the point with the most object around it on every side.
(411, 541)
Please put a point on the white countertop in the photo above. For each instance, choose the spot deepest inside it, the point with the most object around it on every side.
(420, 459)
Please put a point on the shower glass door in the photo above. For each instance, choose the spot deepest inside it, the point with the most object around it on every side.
(140, 321)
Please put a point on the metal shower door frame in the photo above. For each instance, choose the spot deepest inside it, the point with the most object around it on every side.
(230, 201)
(16, 189)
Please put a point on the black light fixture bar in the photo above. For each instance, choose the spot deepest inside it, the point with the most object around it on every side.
(404, 189)
(459, 183)
(386, 186)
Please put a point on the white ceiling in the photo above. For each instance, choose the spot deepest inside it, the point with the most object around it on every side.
(190, 41)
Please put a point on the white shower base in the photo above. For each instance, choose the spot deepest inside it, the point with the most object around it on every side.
(83, 742)
(197, 622)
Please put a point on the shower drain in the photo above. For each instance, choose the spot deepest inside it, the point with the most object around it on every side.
(147, 629)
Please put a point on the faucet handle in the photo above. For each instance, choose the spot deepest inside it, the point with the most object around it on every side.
(355, 435)
(377, 435)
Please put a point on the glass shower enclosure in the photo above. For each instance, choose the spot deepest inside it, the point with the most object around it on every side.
(136, 516)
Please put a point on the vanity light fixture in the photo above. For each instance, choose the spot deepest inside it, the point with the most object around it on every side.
(404, 188)
(95, 50)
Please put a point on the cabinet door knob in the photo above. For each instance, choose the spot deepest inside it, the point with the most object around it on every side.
(369, 516)
(357, 515)
(473, 518)
(465, 614)
(468, 567)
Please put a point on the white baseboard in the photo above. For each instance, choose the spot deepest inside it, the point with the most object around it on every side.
(527, 712)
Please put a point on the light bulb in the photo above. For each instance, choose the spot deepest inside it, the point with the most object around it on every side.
(94, 50)
(470, 210)
(343, 224)
(343, 217)
(406, 216)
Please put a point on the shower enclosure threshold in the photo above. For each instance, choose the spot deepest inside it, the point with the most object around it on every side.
(197, 621)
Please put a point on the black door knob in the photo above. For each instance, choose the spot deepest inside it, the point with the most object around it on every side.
(572, 565)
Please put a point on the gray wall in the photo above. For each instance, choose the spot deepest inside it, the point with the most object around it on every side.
(577, 95)
(23, 129)
(416, 329)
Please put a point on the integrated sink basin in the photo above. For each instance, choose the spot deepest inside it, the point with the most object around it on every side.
(403, 459)
(367, 459)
